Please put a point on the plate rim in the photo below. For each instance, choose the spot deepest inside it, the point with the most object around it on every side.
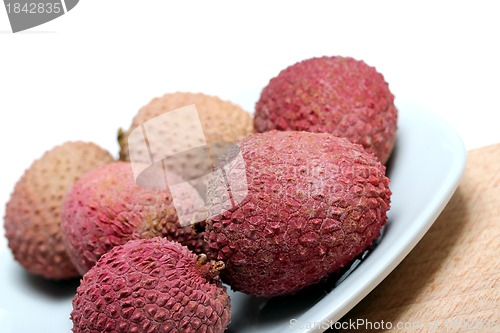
(444, 194)
(428, 216)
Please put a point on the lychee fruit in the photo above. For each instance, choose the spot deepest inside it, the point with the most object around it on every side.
(106, 208)
(314, 202)
(221, 123)
(337, 95)
(33, 214)
(151, 286)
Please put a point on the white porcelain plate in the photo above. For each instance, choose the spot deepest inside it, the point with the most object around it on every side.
(425, 169)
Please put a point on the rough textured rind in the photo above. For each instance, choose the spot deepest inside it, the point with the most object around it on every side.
(337, 95)
(106, 208)
(149, 286)
(222, 121)
(315, 202)
(33, 214)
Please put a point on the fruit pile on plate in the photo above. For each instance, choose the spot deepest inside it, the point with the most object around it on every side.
(282, 202)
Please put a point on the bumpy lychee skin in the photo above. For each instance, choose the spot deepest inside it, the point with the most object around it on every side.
(106, 208)
(222, 122)
(196, 146)
(33, 214)
(314, 203)
(153, 286)
(337, 95)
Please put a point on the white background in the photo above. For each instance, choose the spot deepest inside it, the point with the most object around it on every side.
(85, 74)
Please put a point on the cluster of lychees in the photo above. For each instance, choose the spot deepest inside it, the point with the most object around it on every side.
(311, 192)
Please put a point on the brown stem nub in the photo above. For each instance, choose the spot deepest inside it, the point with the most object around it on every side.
(216, 267)
(201, 260)
(207, 269)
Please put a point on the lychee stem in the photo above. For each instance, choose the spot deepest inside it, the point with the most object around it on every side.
(214, 267)
(121, 142)
(201, 260)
